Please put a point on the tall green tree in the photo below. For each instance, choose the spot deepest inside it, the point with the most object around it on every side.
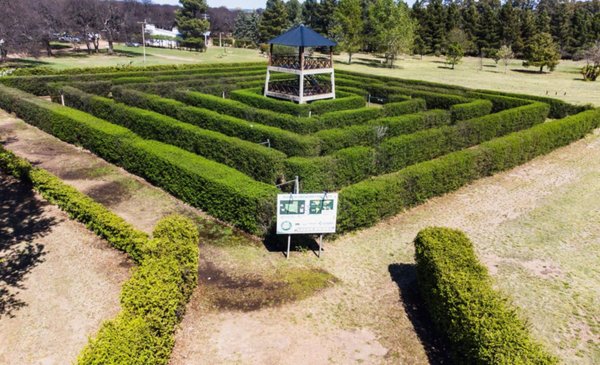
(294, 10)
(246, 27)
(394, 28)
(274, 20)
(310, 13)
(349, 26)
(541, 51)
(191, 23)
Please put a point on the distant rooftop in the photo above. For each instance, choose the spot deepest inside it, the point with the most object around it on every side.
(301, 36)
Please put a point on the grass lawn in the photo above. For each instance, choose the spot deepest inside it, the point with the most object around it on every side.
(154, 56)
(564, 83)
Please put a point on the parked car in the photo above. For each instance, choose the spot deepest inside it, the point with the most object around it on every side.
(132, 44)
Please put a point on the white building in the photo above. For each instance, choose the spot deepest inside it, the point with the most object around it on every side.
(161, 37)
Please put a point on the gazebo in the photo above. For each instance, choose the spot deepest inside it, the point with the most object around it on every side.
(306, 87)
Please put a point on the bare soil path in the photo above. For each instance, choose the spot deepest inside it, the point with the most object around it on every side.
(58, 281)
(534, 226)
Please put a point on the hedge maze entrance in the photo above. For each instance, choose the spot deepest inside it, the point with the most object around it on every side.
(201, 132)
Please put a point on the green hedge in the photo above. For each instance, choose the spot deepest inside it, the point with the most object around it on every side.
(481, 325)
(221, 191)
(331, 172)
(152, 301)
(255, 98)
(246, 112)
(474, 109)
(367, 134)
(396, 153)
(38, 84)
(121, 70)
(410, 106)
(365, 203)
(288, 142)
(261, 163)
(77, 205)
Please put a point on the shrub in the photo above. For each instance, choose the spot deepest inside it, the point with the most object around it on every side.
(367, 135)
(290, 143)
(220, 190)
(399, 152)
(77, 205)
(474, 109)
(344, 118)
(244, 111)
(410, 106)
(366, 202)
(331, 172)
(255, 98)
(261, 163)
(153, 300)
(480, 324)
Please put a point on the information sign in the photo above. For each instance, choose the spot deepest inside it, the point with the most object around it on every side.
(306, 213)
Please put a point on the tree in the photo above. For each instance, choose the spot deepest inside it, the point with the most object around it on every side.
(191, 23)
(591, 71)
(505, 53)
(111, 22)
(349, 26)
(310, 13)
(541, 51)
(246, 27)
(294, 10)
(458, 42)
(454, 54)
(394, 28)
(274, 20)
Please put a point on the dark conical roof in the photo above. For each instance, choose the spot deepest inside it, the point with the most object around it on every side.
(301, 36)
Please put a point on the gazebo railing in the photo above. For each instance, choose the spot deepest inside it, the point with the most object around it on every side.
(293, 62)
(292, 87)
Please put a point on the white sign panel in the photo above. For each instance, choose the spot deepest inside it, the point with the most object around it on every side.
(306, 213)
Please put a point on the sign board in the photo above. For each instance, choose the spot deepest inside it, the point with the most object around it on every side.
(306, 213)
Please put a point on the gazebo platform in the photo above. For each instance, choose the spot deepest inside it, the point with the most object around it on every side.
(307, 87)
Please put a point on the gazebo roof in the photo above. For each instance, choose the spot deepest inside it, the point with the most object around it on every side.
(301, 36)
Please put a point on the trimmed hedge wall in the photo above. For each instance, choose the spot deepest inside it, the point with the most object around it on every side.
(366, 134)
(255, 98)
(38, 84)
(410, 106)
(152, 301)
(558, 108)
(481, 325)
(474, 109)
(77, 205)
(288, 142)
(240, 110)
(365, 203)
(331, 172)
(221, 191)
(396, 153)
(261, 163)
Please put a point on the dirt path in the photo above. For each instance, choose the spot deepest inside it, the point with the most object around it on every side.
(52, 295)
(535, 226)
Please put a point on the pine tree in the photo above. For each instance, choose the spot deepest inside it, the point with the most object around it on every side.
(274, 20)
(435, 32)
(541, 51)
(294, 9)
(191, 24)
(246, 27)
(310, 13)
(509, 26)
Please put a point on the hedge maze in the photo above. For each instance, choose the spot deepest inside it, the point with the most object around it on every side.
(208, 136)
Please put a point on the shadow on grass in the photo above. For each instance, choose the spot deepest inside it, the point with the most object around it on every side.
(405, 276)
(299, 243)
(530, 72)
(446, 67)
(22, 220)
